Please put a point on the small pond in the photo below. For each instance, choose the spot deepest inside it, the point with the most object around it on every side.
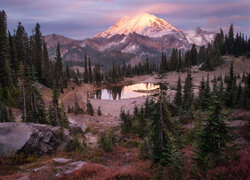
(125, 92)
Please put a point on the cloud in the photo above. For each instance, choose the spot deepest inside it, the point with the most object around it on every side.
(85, 18)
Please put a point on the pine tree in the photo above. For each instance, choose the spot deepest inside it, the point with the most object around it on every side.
(201, 96)
(46, 69)
(230, 90)
(21, 44)
(142, 123)
(126, 120)
(38, 54)
(86, 72)
(160, 127)
(174, 59)
(178, 94)
(99, 112)
(57, 115)
(214, 136)
(193, 55)
(59, 69)
(13, 59)
(90, 72)
(188, 91)
(5, 70)
(90, 109)
(230, 45)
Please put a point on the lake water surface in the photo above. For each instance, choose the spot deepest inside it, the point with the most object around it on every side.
(125, 92)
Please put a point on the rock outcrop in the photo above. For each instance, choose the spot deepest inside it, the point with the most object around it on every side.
(30, 138)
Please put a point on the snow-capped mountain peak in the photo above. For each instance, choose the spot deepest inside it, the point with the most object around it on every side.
(144, 24)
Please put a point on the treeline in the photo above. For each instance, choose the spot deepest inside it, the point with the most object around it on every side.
(25, 65)
(208, 57)
(95, 74)
(158, 123)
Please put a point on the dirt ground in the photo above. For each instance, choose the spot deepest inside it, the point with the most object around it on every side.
(111, 108)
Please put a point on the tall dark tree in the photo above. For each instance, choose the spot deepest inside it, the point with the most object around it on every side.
(230, 89)
(86, 72)
(46, 69)
(188, 91)
(21, 47)
(230, 42)
(13, 59)
(38, 54)
(90, 72)
(160, 127)
(193, 55)
(214, 136)
(5, 70)
(59, 69)
(174, 60)
(178, 94)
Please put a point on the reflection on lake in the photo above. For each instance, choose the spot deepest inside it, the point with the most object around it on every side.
(125, 92)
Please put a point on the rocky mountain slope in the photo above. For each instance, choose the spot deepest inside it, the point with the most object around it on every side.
(140, 36)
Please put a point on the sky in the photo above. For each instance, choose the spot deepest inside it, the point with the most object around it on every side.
(80, 19)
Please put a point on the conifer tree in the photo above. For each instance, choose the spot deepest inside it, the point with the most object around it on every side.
(13, 59)
(38, 54)
(90, 109)
(86, 72)
(230, 43)
(214, 136)
(58, 69)
(126, 121)
(90, 72)
(230, 90)
(46, 69)
(21, 44)
(188, 91)
(99, 112)
(57, 115)
(193, 55)
(201, 96)
(160, 127)
(178, 94)
(5, 70)
(174, 59)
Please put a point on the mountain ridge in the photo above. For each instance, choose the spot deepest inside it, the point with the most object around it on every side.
(142, 35)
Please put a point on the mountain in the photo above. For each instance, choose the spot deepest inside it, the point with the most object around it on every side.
(144, 24)
(200, 37)
(130, 38)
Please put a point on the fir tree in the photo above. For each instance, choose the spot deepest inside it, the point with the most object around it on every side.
(5, 70)
(188, 91)
(86, 72)
(230, 90)
(90, 72)
(90, 109)
(230, 43)
(160, 127)
(214, 136)
(38, 54)
(99, 112)
(193, 55)
(59, 69)
(46, 69)
(178, 94)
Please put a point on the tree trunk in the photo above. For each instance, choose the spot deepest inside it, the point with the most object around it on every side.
(24, 105)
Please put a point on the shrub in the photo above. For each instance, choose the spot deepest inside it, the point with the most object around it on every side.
(90, 109)
(99, 112)
(124, 174)
(87, 171)
(107, 140)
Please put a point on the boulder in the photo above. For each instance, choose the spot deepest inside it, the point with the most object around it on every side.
(30, 138)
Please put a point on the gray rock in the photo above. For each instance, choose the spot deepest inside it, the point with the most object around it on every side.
(61, 160)
(31, 138)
